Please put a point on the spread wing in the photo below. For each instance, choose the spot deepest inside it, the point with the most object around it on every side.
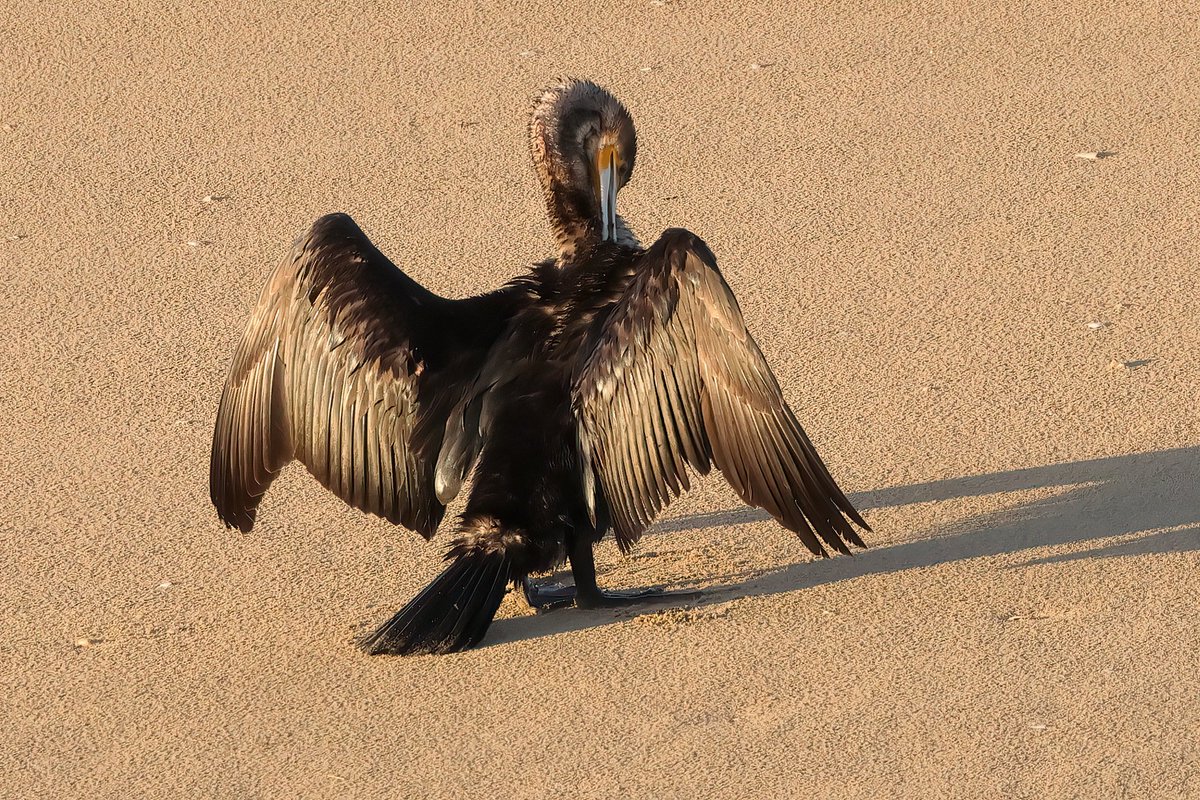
(675, 379)
(350, 366)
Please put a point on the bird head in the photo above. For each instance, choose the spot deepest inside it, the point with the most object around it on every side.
(583, 144)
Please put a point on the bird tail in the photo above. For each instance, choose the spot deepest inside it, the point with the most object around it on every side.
(451, 614)
(454, 611)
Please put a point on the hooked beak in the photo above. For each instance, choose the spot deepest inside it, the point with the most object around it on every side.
(606, 168)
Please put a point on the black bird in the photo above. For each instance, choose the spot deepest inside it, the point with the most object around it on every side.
(578, 394)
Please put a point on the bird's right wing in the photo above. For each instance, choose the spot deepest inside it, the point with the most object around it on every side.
(675, 378)
(350, 366)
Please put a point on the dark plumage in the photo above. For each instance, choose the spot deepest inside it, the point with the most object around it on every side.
(351, 367)
(579, 394)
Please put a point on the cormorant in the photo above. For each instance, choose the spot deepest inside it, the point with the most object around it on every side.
(578, 394)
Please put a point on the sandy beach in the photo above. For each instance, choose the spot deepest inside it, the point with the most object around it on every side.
(991, 339)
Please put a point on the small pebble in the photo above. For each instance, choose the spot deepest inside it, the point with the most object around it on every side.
(87, 641)
(165, 585)
(1097, 325)
(213, 198)
(197, 242)
(1130, 364)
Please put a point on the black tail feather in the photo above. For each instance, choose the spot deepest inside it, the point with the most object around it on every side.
(450, 614)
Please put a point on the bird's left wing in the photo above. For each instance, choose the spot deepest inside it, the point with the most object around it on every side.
(675, 378)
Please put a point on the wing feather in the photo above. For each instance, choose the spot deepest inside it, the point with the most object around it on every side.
(349, 366)
(672, 379)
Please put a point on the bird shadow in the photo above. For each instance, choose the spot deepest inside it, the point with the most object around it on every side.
(1144, 503)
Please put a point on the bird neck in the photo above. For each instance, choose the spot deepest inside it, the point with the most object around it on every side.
(577, 238)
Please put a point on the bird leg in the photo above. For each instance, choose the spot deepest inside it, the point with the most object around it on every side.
(548, 596)
(589, 595)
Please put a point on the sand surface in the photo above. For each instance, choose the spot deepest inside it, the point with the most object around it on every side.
(895, 197)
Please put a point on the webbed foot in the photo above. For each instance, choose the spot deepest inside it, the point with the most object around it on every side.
(631, 597)
(551, 595)
(548, 595)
